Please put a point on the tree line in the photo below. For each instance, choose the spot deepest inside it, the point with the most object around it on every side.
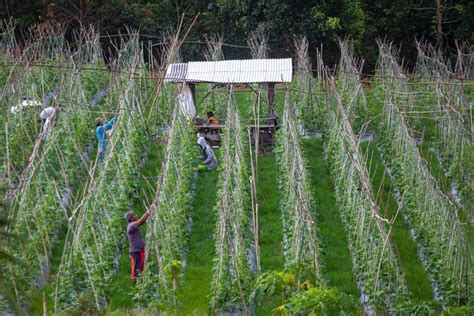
(441, 22)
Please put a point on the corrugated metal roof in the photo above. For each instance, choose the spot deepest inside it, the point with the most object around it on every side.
(233, 71)
(176, 72)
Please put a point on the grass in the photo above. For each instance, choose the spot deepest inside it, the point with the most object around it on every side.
(416, 277)
(271, 229)
(336, 256)
(270, 224)
(193, 295)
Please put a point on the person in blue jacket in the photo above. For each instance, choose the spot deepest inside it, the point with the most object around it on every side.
(102, 126)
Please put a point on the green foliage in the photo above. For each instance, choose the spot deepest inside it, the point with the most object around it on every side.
(300, 237)
(412, 307)
(375, 265)
(40, 205)
(8, 296)
(96, 220)
(230, 287)
(166, 236)
(300, 295)
(273, 283)
(319, 21)
(320, 300)
(434, 217)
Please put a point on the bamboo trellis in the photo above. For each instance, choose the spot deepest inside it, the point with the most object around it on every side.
(435, 218)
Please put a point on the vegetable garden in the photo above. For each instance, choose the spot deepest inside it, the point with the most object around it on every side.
(393, 155)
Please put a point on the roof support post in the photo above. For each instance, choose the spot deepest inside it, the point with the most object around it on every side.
(271, 101)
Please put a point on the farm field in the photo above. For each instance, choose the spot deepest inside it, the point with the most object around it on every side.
(363, 204)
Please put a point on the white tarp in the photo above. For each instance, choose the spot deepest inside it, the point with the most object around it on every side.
(24, 104)
(186, 102)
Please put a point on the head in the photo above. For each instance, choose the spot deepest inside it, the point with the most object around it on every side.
(99, 121)
(210, 114)
(202, 142)
(130, 217)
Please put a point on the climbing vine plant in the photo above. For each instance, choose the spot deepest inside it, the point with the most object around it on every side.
(434, 217)
(232, 277)
(375, 265)
(167, 235)
(301, 242)
(87, 263)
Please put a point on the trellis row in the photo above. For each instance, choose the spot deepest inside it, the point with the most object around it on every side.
(166, 234)
(231, 284)
(304, 97)
(301, 241)
(96, 220)
(349, 84)
(375, 265)
(39, 205)
(433, 215)
(19, 133)
(436, 78)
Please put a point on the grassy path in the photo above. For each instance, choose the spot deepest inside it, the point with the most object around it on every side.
(270, 224)
(121, 288)
(336, 255)
(193, 294)
(271, 229)
(417, 280)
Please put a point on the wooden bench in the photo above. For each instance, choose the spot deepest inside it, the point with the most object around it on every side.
(266, 134)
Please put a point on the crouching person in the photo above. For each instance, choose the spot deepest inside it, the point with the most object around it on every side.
(210, 159)
(137, 244)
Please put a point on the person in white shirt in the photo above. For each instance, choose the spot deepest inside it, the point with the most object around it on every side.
(46, 114)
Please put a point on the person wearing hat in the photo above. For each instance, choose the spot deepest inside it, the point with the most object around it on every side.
(137, 244)
(102, 126)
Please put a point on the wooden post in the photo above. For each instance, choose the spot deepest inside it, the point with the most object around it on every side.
(271, 101)
(271, 108)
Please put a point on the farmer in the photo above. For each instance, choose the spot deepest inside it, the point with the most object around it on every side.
(46, 114)
(137, 245)
(208, 155)
(102, 126)
(212, 119)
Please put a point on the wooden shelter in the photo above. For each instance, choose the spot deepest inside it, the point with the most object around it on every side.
(265, 71)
